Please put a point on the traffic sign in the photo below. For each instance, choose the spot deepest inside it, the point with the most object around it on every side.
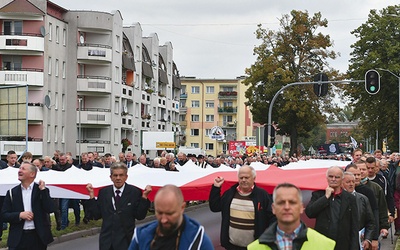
(165, 144)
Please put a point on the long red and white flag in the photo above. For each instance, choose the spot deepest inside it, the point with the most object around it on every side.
(194, 182)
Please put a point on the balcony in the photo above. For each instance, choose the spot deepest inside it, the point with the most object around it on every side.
(175, 106)
(162, 101)
(145, 97)
(183, 123)
(93, 145)
(25, 44)
(97, 84)
(184, 96)
(225, 124)
(94, 116)
(35, 112)
(18, 144)
(183, 110)
(227, 110)
(31, 77)
(227, 95)
(94, 53)
(126, 121)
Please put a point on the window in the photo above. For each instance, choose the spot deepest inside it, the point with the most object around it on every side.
(49, 31)
(117, 77)
(63, 101)
(194, 145)
(118, 48)
(64, 37)
(63, 70)
(49, 66)
(56, 101)
(55, 133)
(182, 118)
(208, 132)
(116, 137)
(195, 118)
(195, 90)
(228, 104)
(57, 34)
(93, 133)
(12, 27)
(209, 104)
(227, 89)
(116, 107)
(12, 62)
(210, 89)
(194, 132)
(209, 146)
(195, 104)
(48, 133)
(209, 118)
(63, 134)
(56, 68)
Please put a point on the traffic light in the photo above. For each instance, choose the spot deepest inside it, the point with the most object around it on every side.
(372, 82)
(320, 89)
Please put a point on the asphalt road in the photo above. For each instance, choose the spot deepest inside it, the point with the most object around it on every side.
(211, 222)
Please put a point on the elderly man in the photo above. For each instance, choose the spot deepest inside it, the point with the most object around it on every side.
(27, 208)
(173, 229)
(245, 209)
(367, 221)
(119, 205)
(335, 212)
(289, 232)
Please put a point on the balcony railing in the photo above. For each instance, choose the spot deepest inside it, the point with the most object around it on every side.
(97, 52)
(94, 83)
(22, 42)
(184, 96)
(227, 95)
(227, 110)
(29, 76)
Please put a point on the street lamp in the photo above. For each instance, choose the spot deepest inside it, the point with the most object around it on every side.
(398, 78)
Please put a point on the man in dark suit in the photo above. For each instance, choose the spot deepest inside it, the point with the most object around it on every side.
(130, 159)
(119, 205)
(335, 211)
(27, 208)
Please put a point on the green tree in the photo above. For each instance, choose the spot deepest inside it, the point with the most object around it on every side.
(294, 53)
(378, 46)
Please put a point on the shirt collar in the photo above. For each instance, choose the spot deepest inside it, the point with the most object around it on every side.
(291, 235)
(120, 189)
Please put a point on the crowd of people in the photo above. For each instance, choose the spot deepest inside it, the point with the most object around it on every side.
(360, 199)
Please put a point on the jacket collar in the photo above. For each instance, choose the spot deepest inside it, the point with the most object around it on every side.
(269, 235)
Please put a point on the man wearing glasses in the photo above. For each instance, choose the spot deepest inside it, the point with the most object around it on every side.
(335, 212)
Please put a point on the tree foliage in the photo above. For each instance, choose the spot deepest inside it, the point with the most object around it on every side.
(294, 53)
(378, 46)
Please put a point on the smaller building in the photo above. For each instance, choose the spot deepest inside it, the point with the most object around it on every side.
(340, 132)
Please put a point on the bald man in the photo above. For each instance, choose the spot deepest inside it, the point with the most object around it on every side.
(173, 229)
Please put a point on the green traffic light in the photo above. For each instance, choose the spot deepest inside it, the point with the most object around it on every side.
(372, 88)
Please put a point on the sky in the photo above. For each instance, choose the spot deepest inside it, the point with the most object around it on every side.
(215, 38)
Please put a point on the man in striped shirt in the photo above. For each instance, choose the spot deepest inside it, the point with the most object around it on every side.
(245, 209)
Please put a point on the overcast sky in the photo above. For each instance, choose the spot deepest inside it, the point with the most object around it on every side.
(215, 38)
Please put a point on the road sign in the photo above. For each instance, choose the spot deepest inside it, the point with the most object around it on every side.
(217, 133)
(164, 144)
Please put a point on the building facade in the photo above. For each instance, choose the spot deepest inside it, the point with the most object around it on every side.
(79, 81)
(206, 103)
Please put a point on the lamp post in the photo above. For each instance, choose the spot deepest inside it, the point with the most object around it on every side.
(398, 78)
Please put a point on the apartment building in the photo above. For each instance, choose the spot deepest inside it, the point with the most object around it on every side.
(206, 103)
(79, 81)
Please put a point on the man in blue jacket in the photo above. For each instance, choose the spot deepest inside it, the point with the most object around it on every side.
(173, 229)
